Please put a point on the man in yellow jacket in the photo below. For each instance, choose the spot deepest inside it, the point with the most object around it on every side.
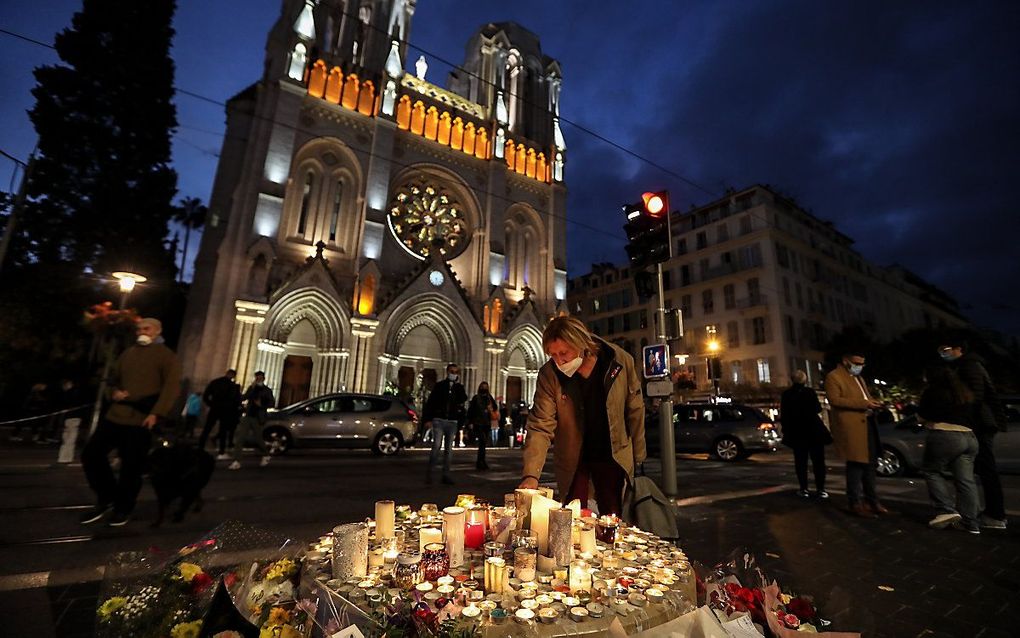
(143, 388)
(854, 433)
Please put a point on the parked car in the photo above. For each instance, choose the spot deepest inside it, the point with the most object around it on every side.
(726, 431)
(903, 443)
(383, 423)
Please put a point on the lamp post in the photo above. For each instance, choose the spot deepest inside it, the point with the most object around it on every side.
(713, 349)
(126, 281)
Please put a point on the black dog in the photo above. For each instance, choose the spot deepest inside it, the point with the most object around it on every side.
(179, 470)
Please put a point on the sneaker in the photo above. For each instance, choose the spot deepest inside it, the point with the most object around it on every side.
(236, 465)
(803, 493)
(118, 520)
(992, 523)
(944, 520)
(966, 528)
(94, 514)
(264, 462)
(822, 494)
(223, 457)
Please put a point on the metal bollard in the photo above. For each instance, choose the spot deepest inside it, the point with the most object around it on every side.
(70, 438)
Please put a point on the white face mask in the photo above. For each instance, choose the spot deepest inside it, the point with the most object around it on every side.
(143, 340)
(453, 377)
(570, 367)
(856, 369)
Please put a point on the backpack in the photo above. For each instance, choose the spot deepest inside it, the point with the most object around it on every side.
(645, 506)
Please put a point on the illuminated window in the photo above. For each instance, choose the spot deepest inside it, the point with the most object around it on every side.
(298, 59)
(763, 371)
(335, 217)
(306, 204)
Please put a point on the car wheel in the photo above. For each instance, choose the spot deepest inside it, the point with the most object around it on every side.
(891, 463)
(727, 449)
(387, 443)
(278, 441)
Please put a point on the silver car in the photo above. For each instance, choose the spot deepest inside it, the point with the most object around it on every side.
(727, 431)
(383, 423)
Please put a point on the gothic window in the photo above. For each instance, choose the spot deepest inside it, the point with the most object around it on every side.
(422, 215)
(305, 23)
(364, 23)
(514, 75)
(306, 203)
(334, 218)
(298, 59)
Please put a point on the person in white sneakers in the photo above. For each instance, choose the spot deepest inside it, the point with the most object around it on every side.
(258, 398)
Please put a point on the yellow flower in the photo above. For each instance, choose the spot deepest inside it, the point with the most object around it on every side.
(278, 616)
(111, 605)
(189, 571)
(785, 598)
(186, 629)
(279, 631)
(280, 569)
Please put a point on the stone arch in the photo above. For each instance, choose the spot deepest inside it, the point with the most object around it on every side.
(524, 236)
(528, 339)
(440, 316)
(328, 160)
(324, 312)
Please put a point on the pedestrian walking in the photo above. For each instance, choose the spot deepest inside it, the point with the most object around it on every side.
(192, 410)
(989, 419)
(855, 432)
(482, 414)
(257, 400)
(805, 433)
(442, 414)
(947, 411)
(143, 388)
(589, 401)
(223, 397)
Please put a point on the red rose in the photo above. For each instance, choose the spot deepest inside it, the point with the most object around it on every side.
(201, 582)
(802, 608)
(732, 589)
(791, 621)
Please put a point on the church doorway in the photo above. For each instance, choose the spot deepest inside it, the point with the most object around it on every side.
(297, 379)
(513, 390)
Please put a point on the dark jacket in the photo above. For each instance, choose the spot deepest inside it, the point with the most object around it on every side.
(151, 375)
(260, 399)
(937, 407)
(798, 411)
(988, 413)
(480, 410)
(445, 402)
(222, 395)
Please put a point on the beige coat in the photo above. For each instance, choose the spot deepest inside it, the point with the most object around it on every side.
(848, 418)
(552, 420)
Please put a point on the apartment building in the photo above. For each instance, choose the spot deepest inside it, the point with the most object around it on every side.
(769, 283)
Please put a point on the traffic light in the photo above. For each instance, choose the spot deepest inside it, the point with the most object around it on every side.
(647, 235)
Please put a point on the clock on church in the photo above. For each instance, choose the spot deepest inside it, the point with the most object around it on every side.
(424, 219)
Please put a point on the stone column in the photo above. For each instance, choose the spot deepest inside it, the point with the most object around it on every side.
(248, 319)
(363, 330)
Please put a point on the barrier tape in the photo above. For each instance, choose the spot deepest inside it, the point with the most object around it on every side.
(45, 416)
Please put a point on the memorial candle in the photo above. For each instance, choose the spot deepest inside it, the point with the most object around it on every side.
(524, 497)
(580, 576)
(561, 546)
(427, 535)
(474, 535)
(495, 574)
(384, 518)
(453, 532)
(587, 539)
(350, 550)
(540, 507)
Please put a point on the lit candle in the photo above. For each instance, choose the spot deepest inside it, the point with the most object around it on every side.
(384, 519)
(525, 563)
(471, 611)
(587, 539)
(453, 531)
(540, 507)
(561, 546)
(524, 497)
(427, 535)
(495, 573)
(474, 535)
(580, 576)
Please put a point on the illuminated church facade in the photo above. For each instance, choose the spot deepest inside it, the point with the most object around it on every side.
(367, 226)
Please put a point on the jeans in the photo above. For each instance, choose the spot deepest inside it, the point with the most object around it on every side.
(800, 459)
(495, 436)
(956, 451)
(480, 434)
(987, 472)
(442, 430)
(132, 445)
(251, 427)
(860, 477)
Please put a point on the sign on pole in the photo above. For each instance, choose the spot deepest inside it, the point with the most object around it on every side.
(656, 360)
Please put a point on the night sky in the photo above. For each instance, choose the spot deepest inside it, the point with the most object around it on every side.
(899, 122)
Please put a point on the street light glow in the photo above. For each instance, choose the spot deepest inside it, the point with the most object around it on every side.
(127, 280)
(713, 346)
(653, 203)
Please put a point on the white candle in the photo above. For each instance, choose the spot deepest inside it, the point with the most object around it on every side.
(453, 532)
(580, 577)
(546, 564)
(384, 519)
(428, 535)
(540, 507)
(495, 573)
(587, 539)
(524, 497)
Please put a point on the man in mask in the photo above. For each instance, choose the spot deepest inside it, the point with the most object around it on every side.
(258, 398)
(442, 414)
(482, 414)
(143, 388)
(989, 419)
(855, 433)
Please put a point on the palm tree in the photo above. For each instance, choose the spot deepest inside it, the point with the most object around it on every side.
(191, 214)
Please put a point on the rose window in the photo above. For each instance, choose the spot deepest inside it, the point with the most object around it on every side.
(423, 220)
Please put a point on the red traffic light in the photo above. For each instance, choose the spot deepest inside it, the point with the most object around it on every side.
(656, 204)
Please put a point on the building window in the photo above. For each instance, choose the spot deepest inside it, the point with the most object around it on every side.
(609, 277)
(706, 301)
(595, 305)
(753, 291)
(335, 217)
(685, 305)
(701, 240)
(306, 204)
(758, 330)
(643, 319)
(786, 291)
(791, 330)
(681, 246)
(763, 371)
(703, 269)
(782, 256)
(611, 326)
(800, 297)
(745, 224)
(667, 282)
(729, 297)
(626, 322)
(722, 233)
(733, 334)
(685, 275)
(736, 372)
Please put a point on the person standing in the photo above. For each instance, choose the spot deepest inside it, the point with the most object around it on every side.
(989, 420)
(855, 433)
(442, 413)
(804, 431)
(482, 414)
(192, 410)
(947, 411)
(223, 396)
(144, 385)
(257, 399)
(588, 401)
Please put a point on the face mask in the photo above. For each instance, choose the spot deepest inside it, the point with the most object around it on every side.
(856, 369)
(260, 383)
(453, 377)
(143, 340)
(483, 392)
(570, 367)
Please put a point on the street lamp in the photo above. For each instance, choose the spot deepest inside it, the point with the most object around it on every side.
(713, 349)
(126, 281)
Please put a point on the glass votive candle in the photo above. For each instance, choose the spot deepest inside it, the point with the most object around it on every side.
(525, 563)
(524, 538)
(408, 572)
(606, 529)
(435, 561)
(493, 549)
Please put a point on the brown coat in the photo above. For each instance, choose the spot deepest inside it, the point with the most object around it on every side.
(552, 419)
(848, 418)
(151, 375)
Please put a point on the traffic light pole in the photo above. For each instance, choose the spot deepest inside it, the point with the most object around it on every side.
(667, 440)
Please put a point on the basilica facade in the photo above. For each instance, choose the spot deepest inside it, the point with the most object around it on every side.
(367, 226)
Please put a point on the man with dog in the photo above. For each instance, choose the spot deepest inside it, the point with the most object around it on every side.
(143, 388)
